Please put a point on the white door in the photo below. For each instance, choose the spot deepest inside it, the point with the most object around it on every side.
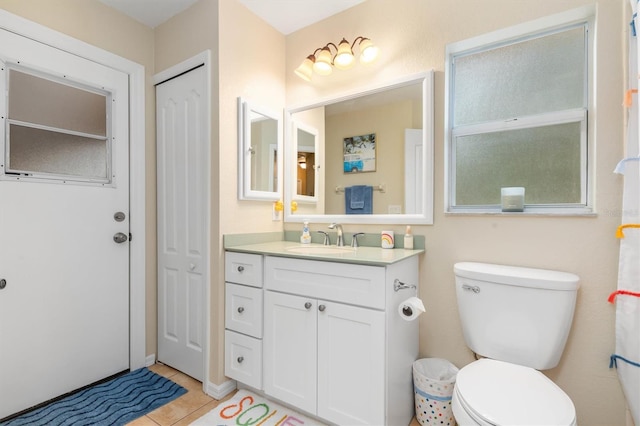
(413, 171)
(351, 354)
(64, 297)
(183, 200)
(290, 349)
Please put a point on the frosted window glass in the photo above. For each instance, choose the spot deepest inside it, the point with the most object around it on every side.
(45, 102)
(43, 151)
(526, 78)
(543, 160)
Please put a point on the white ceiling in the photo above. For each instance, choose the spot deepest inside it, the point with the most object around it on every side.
(286, 16)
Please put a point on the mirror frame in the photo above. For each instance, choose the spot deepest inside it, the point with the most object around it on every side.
(424, 218)
(298, 125)
(245, 109)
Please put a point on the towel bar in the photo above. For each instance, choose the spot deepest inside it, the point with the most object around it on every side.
(380, 188)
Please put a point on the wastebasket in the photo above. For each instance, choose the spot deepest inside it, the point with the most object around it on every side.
(433, 381)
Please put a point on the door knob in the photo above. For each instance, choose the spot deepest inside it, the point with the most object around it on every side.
(120, 238)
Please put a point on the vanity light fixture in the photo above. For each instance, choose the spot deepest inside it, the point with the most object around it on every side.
(322, 60)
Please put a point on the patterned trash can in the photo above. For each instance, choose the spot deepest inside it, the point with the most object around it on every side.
(433, 381)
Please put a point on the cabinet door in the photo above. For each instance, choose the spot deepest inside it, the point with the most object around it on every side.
(290, 349)
(351, 370)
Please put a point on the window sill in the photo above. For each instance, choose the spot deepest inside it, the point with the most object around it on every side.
(530, 213)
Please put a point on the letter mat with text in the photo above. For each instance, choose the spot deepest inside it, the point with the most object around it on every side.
(246, 408)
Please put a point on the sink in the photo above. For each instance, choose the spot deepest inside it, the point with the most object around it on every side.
(320, 250)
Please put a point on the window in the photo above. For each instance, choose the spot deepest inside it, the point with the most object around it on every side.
(517, 117)
(56, 129)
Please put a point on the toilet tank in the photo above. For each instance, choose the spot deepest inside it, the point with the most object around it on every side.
(514, 314)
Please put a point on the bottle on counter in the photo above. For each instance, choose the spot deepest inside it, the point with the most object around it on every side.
(305, 238)
(408, 239)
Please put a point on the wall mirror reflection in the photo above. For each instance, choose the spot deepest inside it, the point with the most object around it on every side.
(259, 152)
(305, 139)
(385, 134)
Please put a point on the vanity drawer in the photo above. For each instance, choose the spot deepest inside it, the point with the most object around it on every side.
(243, 309)
(243, 359)
(243, 268)
(361, 285)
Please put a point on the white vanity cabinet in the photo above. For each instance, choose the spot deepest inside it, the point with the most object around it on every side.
(334, 343)
(243, 318)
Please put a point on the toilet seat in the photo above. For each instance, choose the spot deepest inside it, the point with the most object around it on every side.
(499, 393)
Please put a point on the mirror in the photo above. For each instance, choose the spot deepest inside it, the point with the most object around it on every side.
(305, 140)
(259, 152)
(380, 139)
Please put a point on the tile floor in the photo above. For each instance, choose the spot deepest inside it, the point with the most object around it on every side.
(183, 410)
(187, 408)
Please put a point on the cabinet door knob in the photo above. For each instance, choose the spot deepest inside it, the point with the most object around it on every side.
(240, 268)
(240, 310)
(321, 308)
(307, 305)
(240, 359)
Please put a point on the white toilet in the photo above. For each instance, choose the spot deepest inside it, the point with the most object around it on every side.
(519, 319)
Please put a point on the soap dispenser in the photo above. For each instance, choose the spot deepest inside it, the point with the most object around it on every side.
(408, 239)
(305, 238)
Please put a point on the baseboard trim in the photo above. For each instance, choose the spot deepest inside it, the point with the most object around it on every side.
(150, 360)
(222, 390)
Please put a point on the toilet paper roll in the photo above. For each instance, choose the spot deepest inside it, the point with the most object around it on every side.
(410, 308)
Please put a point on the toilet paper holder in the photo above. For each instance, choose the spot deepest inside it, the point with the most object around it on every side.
(399, 285)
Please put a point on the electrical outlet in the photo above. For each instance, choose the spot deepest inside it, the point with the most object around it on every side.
(395, 209)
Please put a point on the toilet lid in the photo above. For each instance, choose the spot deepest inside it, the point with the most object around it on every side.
(501, 393)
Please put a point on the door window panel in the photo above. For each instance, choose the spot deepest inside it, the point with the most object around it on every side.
(57, 129)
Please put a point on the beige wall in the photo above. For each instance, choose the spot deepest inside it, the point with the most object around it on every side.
(412, 36)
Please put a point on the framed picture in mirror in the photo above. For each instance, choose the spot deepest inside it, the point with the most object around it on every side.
(359, 153)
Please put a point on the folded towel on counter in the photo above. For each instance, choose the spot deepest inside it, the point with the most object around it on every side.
(358, 199)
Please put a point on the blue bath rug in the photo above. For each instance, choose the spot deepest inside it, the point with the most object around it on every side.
(115, 402)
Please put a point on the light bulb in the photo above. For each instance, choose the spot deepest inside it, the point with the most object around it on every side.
(344, 58)
(305, 70)
(368, 51)
(323, 62)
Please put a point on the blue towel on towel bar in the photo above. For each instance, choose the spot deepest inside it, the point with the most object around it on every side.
(358, 199)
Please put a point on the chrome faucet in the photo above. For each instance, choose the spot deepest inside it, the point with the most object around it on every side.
(338, 227)
(327, 240)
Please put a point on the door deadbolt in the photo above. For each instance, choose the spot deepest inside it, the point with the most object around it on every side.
(119, 216)
(120, 238)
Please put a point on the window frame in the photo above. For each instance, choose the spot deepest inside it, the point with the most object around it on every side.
(7, 172)
(537, 28)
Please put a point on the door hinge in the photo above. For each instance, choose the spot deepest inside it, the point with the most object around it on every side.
(130, 237)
